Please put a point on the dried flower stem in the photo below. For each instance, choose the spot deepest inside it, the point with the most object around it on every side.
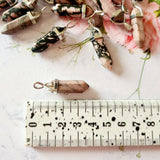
(147, 57)
(78, 45)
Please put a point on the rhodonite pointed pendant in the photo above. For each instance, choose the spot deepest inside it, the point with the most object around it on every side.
(7, 3)
(21, 22)
(53, 2)
(81, 11)
(18, 10)
(64, 86)
(138, 26)
(51, 37)
(101, 49)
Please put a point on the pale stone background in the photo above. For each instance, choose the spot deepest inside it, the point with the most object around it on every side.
(19, 69)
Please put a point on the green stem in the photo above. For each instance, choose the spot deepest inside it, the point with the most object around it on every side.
(140, 79)
(78, 45)
(132, 94)
(148, 55)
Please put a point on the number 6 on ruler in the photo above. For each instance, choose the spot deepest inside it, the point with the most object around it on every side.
(82, 123)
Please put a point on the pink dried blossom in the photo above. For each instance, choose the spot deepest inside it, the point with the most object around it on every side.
(119, 34)
(151, 27)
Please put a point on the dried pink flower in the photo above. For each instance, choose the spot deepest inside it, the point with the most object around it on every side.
(151, 27)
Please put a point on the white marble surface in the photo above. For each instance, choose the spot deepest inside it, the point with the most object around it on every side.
(19, 69)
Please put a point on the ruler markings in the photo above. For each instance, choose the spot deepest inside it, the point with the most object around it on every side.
(92, 108)
(33, 108)
(55, 141)
(145, 140)
(152, 137)
(123, 138)
(137, 137)
(136, 109)
(116, 140)
(100, 122)
(78, 109)
(70, 106)
(48, 109)
(158, 107)
(78, 139)
(70, 140)
(122, 108)
(32, 140)
(47, 139)
(151, 109)
(108, 137)
(62, 139)
(55, 105)
(93, 139)
(144, 107)
(40, 107)
(129, 107)
(100, 139)
(130, 137)
(115, 107)
(85, 140)
(100, 106)
(107, 109)
(39, 140)
(63, 108)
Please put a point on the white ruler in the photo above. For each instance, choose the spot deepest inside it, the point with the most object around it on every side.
(81, 123)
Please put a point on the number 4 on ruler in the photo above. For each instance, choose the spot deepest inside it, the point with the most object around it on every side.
(82, 123)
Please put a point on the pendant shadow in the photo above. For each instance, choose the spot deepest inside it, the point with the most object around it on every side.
(111, 149)
(89, 94)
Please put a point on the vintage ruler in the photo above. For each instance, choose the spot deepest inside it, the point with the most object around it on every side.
(82, 123)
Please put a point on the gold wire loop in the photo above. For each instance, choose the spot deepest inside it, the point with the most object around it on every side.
(99, 34)
(134, 2)
(123, 10)
(60, 34)
(139, 14)
(12, 4)
(127, 26)
(38, 85)
(53, 85)
(122, 7)
(91, 22)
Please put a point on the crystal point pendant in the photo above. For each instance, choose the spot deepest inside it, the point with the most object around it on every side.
(64, 86)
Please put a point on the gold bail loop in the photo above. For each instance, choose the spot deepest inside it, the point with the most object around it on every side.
(99, 34)
(91, 22)
(53, 85)
(134, 2)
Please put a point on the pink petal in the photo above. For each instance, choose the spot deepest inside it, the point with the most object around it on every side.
(152, 31)
(79, 28)
(108, 7)
(151, 27)
(119, 34)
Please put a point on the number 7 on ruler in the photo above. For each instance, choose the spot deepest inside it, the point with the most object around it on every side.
(83, 123)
